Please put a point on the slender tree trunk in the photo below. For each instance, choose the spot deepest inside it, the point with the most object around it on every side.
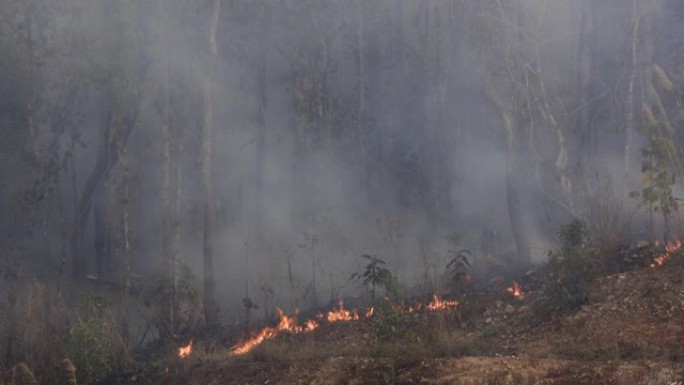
(100, 226)
(63, 234)
(210, 305)
(261, 124)
(126, 266)
(583, 68)
(176, 228)
(513, 194)
(168, 257)
(630, 119)
(515, 214)
(361, 57)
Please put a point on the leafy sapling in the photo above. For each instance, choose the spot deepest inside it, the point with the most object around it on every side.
(375, 275)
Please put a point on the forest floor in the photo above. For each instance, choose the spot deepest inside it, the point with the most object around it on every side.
(630, 331)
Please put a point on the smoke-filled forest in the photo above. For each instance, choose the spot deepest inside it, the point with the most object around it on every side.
(176, 171)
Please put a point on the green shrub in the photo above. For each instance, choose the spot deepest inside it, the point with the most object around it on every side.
(391, 323)
(89, 339)
(570, 268)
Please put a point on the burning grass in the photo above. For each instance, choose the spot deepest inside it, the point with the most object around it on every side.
(516, 290)
(289, 324)
(670, 249)
(438, 304)
(184, 351)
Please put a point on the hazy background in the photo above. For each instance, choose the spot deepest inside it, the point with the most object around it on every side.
(340, 128)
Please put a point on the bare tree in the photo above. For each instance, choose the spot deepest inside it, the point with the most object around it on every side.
(210, 305)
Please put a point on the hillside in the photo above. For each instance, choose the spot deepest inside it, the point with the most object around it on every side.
(630, 331)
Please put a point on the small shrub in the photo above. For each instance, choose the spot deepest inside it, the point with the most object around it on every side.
(391, 323)
(23, 375)
(68, 373)
(89, 339)
(570, 268)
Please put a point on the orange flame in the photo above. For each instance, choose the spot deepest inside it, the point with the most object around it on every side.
(438, 304)
(311, 325)
(286, 324)
(670, 248)
(289, 324)
(341, 314)
(516, 290)
(185, 351)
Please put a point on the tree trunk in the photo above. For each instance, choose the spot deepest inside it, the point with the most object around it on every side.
(630, 123)
(513, 194)
(126, 268)
(261, 124)
(361, 57)
(168, 256)
(210, 305)
(582, 77)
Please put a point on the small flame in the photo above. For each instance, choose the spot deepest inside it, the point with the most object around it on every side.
(311, 325)
(288, 324)
(341, 314)
(185, 351)
(438, 304)
(670, 248)
(369, 312)
(516, 290)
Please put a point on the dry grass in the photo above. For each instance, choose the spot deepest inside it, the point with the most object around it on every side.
(37, 329)
(608, 215)
(32, 329)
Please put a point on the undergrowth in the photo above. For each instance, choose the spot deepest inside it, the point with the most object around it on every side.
(570, 268)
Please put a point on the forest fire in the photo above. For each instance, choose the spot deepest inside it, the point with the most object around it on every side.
(341, 314)
(516, 290)
(288, 324)
(185, 351)
(438, 304)
(670, 248)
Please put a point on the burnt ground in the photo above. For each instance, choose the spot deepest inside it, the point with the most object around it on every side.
(630, 331)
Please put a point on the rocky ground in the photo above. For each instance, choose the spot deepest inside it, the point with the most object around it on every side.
(630, 331)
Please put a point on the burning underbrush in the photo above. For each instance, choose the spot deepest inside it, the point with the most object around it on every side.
(625, 317)
(290, 325)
